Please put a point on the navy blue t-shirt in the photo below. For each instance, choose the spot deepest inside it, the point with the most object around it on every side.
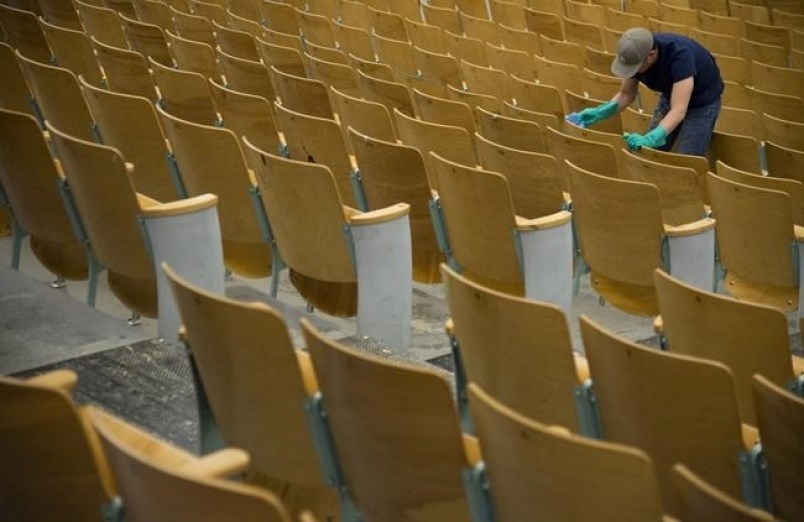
(679, 58)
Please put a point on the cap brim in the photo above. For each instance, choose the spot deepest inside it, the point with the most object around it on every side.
(624, 71)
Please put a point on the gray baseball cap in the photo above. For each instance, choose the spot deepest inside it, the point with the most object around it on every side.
(632, 49)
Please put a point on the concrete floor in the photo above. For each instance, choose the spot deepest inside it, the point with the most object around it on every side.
(128, 371)
(429, 314)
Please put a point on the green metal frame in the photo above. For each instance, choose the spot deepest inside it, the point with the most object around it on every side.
(478, 494)
(209, 435)
(588, 413)
(95, 266)
(325, 447)
(277, 263)
(462, 398)
(357, 187)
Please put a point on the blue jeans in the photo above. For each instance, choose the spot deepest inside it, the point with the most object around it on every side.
(693, 134)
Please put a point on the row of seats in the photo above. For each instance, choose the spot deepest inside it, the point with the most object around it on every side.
(666, 448)
(308, 141)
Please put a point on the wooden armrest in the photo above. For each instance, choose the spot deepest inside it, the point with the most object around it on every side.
(559, 430)
(307, 373)
(690, 229)
(222, 463)
(381, 215)
(252, 177)
(145, 444)
(449, 327)
(349, 212)
(59, 168)
(64, 380)
(750, 436)
(471, 449)
(307, 517)
(658, 325)
(798, 365)
(145, 201)
(799, 233)
(181, 206)
(581, 367)
(545, 222)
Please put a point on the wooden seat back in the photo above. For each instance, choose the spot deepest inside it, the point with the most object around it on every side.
(256, 383)
(61, 13)
(194, 27)
(699, 501)
(246, 115)
(621, 249)
(643, 403)
(390, 173)
(147, 39)
(783, 132)
(392, 94)
(318, 140)
(366, 117)
(780, 416)
(236, 43)
(681, 189)
(763, 219)
(306, 214)
(109, 208)
(103, 24)
(59, 97)
(23, 33)
(784, 162)
(29, 179)
(53, 465)
(453, 143)
(439, 110)
(792, 188)
(184, 94)
(160, 482)
(126, 70)
(302, 95)
(14, 93)
(210, 161)
(740, 152)
(532, 176)
(593, 156)
(193, 56)
(129, 123)
(746, 337)
(533, 374)
(315, 28)
(331, 74)
(285, 59)
(72, 50)
(480, 223)
(515, 133)
(525, 458)
(400, 456)
(246, 76)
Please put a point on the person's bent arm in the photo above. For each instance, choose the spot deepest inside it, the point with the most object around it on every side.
(679, 101)
(621, 100)
(627, 93)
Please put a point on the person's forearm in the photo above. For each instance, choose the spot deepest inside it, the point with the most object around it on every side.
(672, 119)
(623, 100)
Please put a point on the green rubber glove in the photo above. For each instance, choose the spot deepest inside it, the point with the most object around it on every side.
(593, 115)
(653, 139)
